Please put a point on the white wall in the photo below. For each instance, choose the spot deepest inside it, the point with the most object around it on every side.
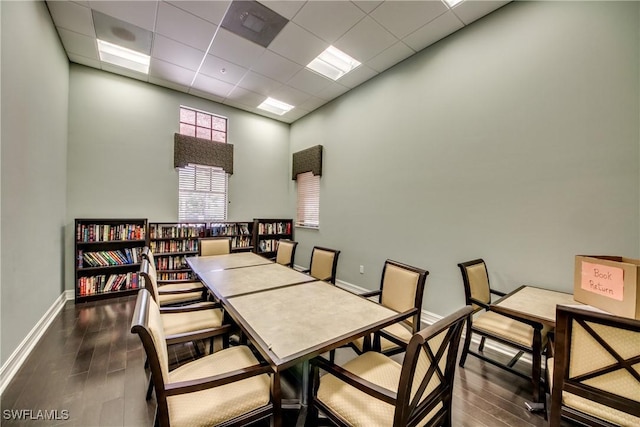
(120, 161)
(35, 75)
(515, 140)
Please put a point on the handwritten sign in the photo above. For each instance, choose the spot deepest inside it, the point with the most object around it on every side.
(603, 280)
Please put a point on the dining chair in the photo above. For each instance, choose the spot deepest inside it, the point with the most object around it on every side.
(323, 264)
(168, 294)
(228, 387)
(522, 335)
(375, 390)
(401, 289)
(595, 369)
(208, 246)
(286, 252)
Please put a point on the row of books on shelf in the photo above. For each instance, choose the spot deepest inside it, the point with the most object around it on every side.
(89, 233)
(158, 231)
(268, 245)
(224, 229)
(171, 263)
(174, 276)
(274, 228)
(107, 283)
(109, 258)
(162, 246)
(240, 242)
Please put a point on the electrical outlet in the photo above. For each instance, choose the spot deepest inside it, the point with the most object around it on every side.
(362, 269)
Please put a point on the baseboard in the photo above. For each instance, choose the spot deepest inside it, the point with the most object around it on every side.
(18, 357)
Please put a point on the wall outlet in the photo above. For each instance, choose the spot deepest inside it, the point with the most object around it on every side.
(362, 269)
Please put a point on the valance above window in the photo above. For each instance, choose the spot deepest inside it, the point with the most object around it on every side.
(309, 160)
(191, 150)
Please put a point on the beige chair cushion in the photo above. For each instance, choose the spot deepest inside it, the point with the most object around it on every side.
(355, 407)
(166, 299)
(397, 329)
(479, 283)
(322, 264)
(596, 409)
(507, 328)
(179, 323)
(285, 249)
(399, 288)
(210, 247)
(213, 406)
(172, 287)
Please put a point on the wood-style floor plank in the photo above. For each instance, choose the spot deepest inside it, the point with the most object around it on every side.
(89, 364)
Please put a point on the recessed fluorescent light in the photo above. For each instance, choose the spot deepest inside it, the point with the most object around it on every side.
(452, 3)
(123, 57)
(333, 63)
(274, 106)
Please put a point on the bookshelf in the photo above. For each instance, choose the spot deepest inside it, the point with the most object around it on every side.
(241, 233)
(107, 257)
(268, 231)
(170, 243)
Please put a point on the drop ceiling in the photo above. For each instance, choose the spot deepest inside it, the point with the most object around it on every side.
(194, 50)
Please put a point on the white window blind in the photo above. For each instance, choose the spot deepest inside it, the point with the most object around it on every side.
(308, 211)
(202, 193)
(202, 190)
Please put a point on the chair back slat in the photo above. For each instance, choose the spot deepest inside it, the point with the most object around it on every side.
(323, 264)
(402, 288)
(286, 252)
(476, 282)
(208, 246)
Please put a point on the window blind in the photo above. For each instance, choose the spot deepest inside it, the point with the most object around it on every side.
(202, 193)
(308, 209)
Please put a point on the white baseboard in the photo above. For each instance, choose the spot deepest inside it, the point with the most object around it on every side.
(18, 357)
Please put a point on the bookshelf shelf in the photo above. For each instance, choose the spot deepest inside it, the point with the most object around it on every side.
(241, 234)
(170, 243)
(268, 231)
(107, 254)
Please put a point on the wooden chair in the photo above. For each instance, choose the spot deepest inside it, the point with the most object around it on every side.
(228, 387)
(401, 289)
(522, 335)
(208, 246)
(286, 252)
(595, 369)
(324, 263)
(170, 293)
(375, 390)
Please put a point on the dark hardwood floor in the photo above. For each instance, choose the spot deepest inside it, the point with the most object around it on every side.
(89, 366)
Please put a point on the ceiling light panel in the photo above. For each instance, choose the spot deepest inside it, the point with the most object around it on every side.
(333, 63)
(274, 106)
(123, 57)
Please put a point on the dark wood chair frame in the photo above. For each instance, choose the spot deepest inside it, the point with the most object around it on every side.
(139, 325)
(565, 318)
(293, 252)
(144, 271)
(334, 267)
(422, 278)
(535, 350)
(409, 411)
(212, 238)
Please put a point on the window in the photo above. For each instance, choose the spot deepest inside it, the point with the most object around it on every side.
(308, 200)
(202, 190)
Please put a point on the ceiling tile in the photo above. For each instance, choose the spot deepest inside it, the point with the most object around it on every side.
(366, 40)
(286, 8)
(245, 97)
(124, 72)
(470, 11)
(222, 70)
(396, 53)
(79, 44)
(258, 83)
(308, 81)
(295, 114)
(206, 95)
(297, 44)
(328, 20)
(184, 27)
(213, 86)
(177, 53)
(171, 72)
(84, 61)
(357, 76)
(404, 17)
(72, 16)
(170, 85)
(235, 49)
(367, 5)
(140, 13)
(435, 30)
(312, 103)
(290, 95)
(275, 66)
(334, 90)
(212, 11)
(122, 33)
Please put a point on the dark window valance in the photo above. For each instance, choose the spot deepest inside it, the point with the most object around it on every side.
(309, 160)
(188, 149)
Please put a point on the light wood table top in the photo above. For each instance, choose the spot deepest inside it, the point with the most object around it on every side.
(201, 264)
(295, 323)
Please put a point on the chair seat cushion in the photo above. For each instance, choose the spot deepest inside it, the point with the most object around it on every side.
(172, 287)
(506, 328)
(355, 407)
(178, 323)
(216, 405)
(593, 408)
(167, 299)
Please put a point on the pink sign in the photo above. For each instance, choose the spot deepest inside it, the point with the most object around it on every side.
(603, 280)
